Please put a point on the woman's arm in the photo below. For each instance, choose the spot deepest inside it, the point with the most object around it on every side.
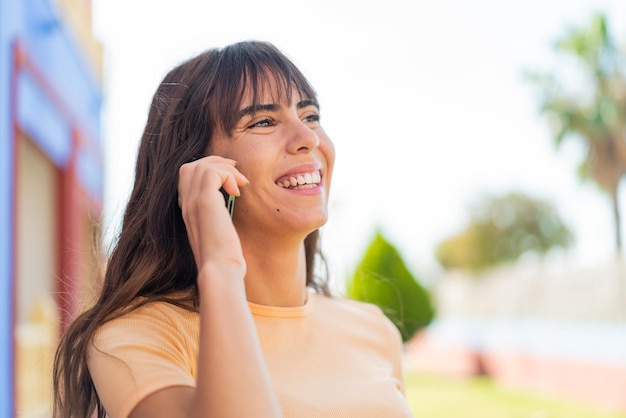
(233, 379)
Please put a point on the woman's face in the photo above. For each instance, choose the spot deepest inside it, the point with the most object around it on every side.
(287, 157)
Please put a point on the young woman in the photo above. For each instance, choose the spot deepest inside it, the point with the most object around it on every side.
(204, 315)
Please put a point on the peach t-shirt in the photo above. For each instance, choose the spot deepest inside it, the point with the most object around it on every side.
(330, 358)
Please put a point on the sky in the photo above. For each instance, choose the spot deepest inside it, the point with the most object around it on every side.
(425, 102)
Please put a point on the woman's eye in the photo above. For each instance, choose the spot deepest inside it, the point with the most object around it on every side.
(263, 123)
(314, 117)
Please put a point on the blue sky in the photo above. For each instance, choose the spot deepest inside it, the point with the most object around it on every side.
(425, 102)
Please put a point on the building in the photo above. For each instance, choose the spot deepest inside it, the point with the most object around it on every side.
(51, 185)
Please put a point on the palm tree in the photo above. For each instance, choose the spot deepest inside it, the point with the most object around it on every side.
(596, 114)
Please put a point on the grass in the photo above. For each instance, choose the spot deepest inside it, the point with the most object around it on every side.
(440, 397)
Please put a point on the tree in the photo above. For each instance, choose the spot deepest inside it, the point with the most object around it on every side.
(501, 229)
(383, 279)
(597, 114)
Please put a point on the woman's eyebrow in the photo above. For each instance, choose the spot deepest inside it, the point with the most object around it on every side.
(305, 103)
(252, 109)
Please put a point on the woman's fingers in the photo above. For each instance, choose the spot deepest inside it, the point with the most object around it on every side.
(199, 177)
(210, 231)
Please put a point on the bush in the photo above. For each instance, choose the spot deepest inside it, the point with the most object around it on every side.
(382, 278)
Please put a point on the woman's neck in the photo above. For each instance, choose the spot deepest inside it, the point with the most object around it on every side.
(276, 272)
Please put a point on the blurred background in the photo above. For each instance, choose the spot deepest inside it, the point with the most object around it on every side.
(480, 150)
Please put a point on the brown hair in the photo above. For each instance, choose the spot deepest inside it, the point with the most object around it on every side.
(152, 259)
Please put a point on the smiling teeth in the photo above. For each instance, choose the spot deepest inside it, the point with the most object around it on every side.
(304, 179)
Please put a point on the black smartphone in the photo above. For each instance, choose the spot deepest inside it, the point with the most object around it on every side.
(229, 200)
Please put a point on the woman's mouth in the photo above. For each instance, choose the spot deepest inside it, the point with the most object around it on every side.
(300, 180)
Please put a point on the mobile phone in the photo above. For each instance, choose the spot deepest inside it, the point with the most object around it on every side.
(229, 200)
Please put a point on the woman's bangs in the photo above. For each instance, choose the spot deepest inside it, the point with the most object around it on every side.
(258, 75)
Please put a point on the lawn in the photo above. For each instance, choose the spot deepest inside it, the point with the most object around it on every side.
(439, 397)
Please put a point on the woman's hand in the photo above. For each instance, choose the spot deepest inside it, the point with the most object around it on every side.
(228, 344)
(212, 235)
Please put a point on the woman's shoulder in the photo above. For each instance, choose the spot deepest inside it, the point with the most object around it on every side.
(350, 306)
(158, 310)
(363, 320)
(344, 308)
(151, 347)
(154, 320)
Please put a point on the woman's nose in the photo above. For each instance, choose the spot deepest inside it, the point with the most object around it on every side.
(302, 138)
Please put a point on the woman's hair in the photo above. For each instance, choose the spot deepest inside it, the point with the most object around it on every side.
(152, 259)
